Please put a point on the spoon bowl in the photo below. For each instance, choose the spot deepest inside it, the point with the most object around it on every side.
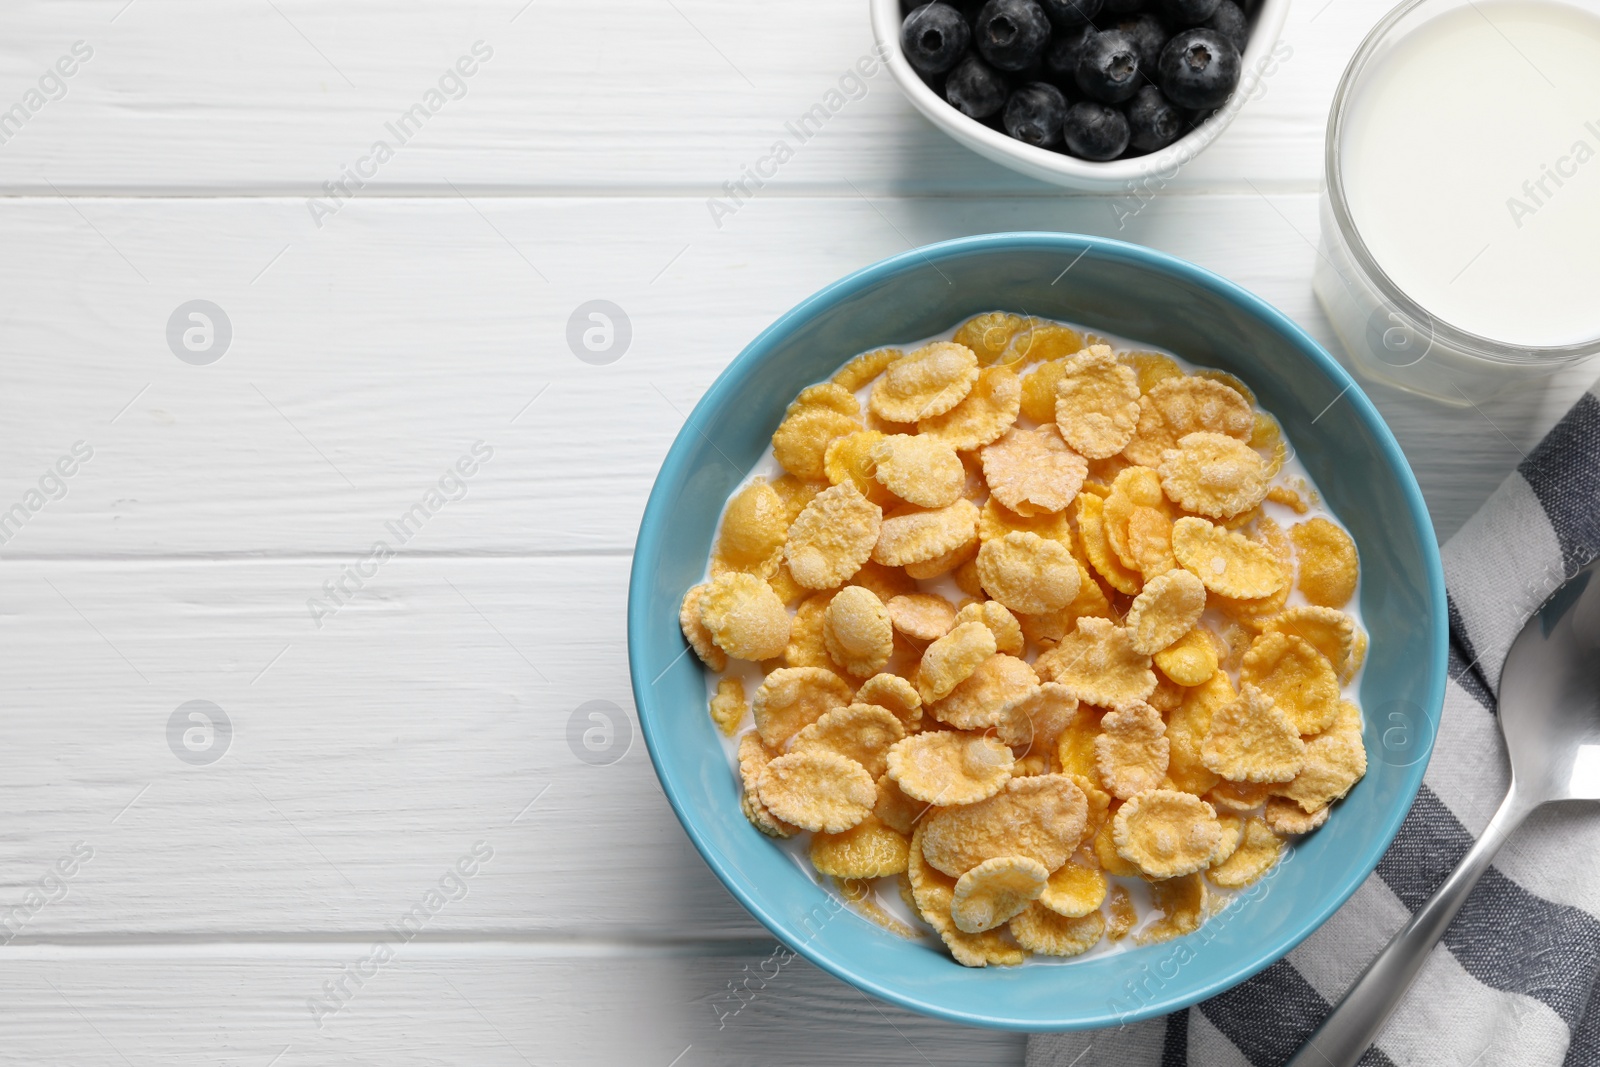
(1550, 696)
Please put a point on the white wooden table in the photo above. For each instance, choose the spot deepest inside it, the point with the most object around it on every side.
(380, 734)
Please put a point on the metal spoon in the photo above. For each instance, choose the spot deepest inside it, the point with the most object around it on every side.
(1550, 715)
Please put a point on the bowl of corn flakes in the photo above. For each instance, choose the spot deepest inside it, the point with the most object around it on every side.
(1038, 632)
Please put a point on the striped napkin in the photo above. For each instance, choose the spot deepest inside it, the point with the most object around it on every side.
(1513, 980)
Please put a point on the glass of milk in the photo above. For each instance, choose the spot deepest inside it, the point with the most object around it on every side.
(1461, 217)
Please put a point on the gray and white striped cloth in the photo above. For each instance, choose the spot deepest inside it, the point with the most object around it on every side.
(1514, 980)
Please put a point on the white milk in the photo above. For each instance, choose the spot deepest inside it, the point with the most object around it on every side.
(1471, 164)
(887, 898)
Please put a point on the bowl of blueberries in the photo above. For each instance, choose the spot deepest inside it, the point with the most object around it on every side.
(1089, 94)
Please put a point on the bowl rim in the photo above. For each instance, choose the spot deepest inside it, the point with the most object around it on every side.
(1045, 165)
(652, 534)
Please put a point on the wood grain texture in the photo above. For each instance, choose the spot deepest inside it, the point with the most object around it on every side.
(237, 96)
(367, 358)
(493, 1007)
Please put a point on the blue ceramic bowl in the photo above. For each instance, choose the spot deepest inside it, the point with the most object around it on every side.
(1140, 294)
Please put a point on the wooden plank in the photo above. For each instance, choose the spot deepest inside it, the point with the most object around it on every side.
(236, 96)
(434, 1004)
(428, 714)
(368, 358)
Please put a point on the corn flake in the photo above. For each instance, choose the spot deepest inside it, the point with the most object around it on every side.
(753, 530)
(1132, 487)
(1287, 817)
(1029, 573)
(1132, 750)
(1151, 367)
(1165, 833)
(1041, 930)
(1187, 727)
(949, 767)
(1105, 852)
(1191, 659)
(979, 701)
(1074, 890)
(915, 535)
(1232, 824)
(928, 382)
(1033, 471)
(1035, 719)
(859, 732)
(923, 570)
(1049, 341)
(1182, 902)
(996, 891)
(1258, 850)
(1328, 564)
(1075, 744)
(1165, 610)
(894, 693)
(868, 849)
(1178, 406)
(933, 893)
(1328, 630)
(806, 646)
(728, 707)
(1229, 564)
(1097, 663)
(922, 616)
(1149, 541)
(833, 537)
(817, 790)
(1296, 676)
(1214, 475)
(896, 810)
(1041, 817)
(857, 632)
(1252, 739)
(919, 469)
(984, 414)
(1097, 403)
(753, 759)
(792, 698)
(989, 334)
(849, 459)
(695, 632)
(865, 367)
(1239, 796)
(1000, 621)
(1252, 612)
(1334, 763)
(1039, 390)
(1123, 914)
(951, 659)
(1091, 528)
(745, 617)
(996, 520)
(818, 415)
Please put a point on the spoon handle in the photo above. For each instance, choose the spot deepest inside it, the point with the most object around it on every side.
(1347, 1031)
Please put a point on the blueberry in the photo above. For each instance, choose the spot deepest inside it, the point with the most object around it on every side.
(1128, 7)
(975, 89)
(1010, 34)
(1034, 114)
(1095, 131)
(1068, 14)
(1061, 58)
(1188, 12)
(1229, 20)
(934, 37)
(1148, 33)
(1153, 121)
(1108, 69)
(1198, 69)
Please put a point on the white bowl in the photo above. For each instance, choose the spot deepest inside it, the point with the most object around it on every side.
(1058, 167)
